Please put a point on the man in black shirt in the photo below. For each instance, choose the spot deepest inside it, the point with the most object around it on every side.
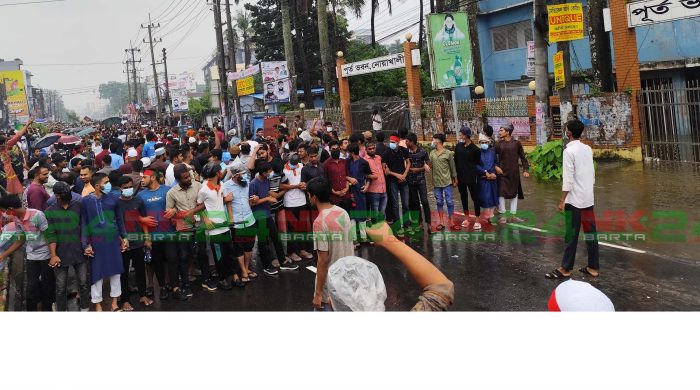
(467, 157)
(396, 159)
(313, 169)
(417, 186)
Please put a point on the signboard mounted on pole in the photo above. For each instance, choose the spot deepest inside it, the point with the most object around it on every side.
(277, 82)
(450, 51)
(565, 22)
(559, 80)
(245, 86)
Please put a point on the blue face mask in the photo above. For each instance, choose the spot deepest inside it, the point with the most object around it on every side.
(484, 146)
(392, 145)
(107, 188)
(433, 144)
(128, 193)
(293, 166)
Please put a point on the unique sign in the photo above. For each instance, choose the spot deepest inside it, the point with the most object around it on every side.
(245, 86)
(530, 60)
(450, 51)
(393, 61)
(559, 80)
(640, 13)
(250, 71)
(565, 22)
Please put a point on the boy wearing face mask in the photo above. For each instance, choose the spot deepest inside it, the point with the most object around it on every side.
(132, 209)
(398, 166)
(486, 172)
(444, 178)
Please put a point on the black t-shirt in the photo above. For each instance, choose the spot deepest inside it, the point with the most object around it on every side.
(466, 160)
(396, 160)
(309, 172)
(276, 163)
(323, 156)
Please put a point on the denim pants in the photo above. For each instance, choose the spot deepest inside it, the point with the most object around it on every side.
(41, 285)
(417, 198)
(399, 191)
(377, 205)
(81, 273)
(443, 195)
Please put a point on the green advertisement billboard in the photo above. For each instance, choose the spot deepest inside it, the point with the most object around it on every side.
(450, 50)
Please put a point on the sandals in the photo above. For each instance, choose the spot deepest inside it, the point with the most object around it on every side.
(252, 275)
(585, 270)
(556, 274)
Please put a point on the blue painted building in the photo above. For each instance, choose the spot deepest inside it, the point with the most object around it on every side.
(669, 53)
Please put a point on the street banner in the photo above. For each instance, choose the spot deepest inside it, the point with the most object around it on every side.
(392, 61)
(450, 51)
(559, 81)
(245, 86)
(565, 22)
(277, 82)
(530, 60)
(640, 13)
(539, 123)
(249, 71)
(521, 125)
(183, 80)
(16, 95)
(180, 100)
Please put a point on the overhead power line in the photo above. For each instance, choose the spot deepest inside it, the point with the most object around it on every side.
(31, 2)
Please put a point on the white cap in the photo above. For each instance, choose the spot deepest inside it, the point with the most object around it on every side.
(132, 153)
(192, 140)
(146, 162)
(160, 151)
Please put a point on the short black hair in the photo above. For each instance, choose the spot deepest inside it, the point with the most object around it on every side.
(412, 137)
(173, 152)
(87, 162)
(114, 176)
(75, 161)
(178, 170)
(97, 178)
(216, 153)
(356, 137)
(354, 149)
(333, 143)
(245, 148)
(320, 188)
(107, 159)
(440, 137)
(403, 132)
(105, 144)
(311, 149)
(113, 147)
(125, 180)
(576, 127)
(137, 165)
(380, 136)
(202, 147)
(10, 201)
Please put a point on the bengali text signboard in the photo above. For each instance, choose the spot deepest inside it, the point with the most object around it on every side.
(640, 13)
(245, 86)
(393, 61)
(559, 81)
(565, 22)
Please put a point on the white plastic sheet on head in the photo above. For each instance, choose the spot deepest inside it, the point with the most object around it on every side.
(356, 284)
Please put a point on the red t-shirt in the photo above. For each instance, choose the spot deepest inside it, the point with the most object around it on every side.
(336, 173)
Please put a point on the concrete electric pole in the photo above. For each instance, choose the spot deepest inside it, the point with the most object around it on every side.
(150, 28)
(223, 94)
(168, 98)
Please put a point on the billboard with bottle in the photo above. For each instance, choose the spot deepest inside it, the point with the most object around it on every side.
(450, 50)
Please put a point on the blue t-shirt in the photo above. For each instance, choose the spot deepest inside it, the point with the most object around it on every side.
(117, 161)
(149, 150)
(155, 206)
(262, 190)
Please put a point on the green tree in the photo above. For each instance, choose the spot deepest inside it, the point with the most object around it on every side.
(199, 108)
(242, 21)
(118, 95)
(324, 43)
(72, 116)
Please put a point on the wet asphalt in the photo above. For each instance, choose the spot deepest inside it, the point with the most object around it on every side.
(502, 268)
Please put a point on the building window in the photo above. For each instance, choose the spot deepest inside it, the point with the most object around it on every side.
(512, 88)
(511, 36)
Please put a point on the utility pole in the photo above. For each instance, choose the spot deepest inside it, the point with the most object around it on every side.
(133, 70)
(128, 81)
(289, 52)
(232, 64)
(150, 28)
(542, 60)
(566, 93)
(223, 90)
(601, 60)
(167, 82)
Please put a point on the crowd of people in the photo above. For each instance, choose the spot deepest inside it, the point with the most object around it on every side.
(185, 208)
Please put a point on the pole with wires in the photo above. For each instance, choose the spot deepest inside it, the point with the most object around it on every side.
(150, 28)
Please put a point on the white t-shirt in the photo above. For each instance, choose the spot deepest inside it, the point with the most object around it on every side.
(214, 202)
(376, 126)
(295, 197)
(170, 175)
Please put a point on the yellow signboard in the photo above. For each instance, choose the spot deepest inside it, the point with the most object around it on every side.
(565, 22)
(245, 86)
(16, 94)
(559, 81)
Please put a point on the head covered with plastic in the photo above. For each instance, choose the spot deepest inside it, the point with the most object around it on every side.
(355, 284)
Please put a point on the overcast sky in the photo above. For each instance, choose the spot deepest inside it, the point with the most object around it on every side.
(53, 38)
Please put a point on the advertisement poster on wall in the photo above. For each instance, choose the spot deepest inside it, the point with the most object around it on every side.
(16, 95)
(276, 82)
(521, 125)
(181, 102)
(450, 51)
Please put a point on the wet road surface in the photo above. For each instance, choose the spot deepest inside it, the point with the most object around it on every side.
(502, 268)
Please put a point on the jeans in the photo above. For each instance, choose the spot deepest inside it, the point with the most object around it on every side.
(377, 205)
(399, 191)
(81, 273)
(41, 285)
(418, 196)
(575, 218)
(17, 284)
(444, 195)
(224, 255)
(115, 288)
(163, 253)
(474, 191)
(135, 257)
(297, 222)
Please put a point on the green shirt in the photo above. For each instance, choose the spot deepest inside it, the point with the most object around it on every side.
(443, 167)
